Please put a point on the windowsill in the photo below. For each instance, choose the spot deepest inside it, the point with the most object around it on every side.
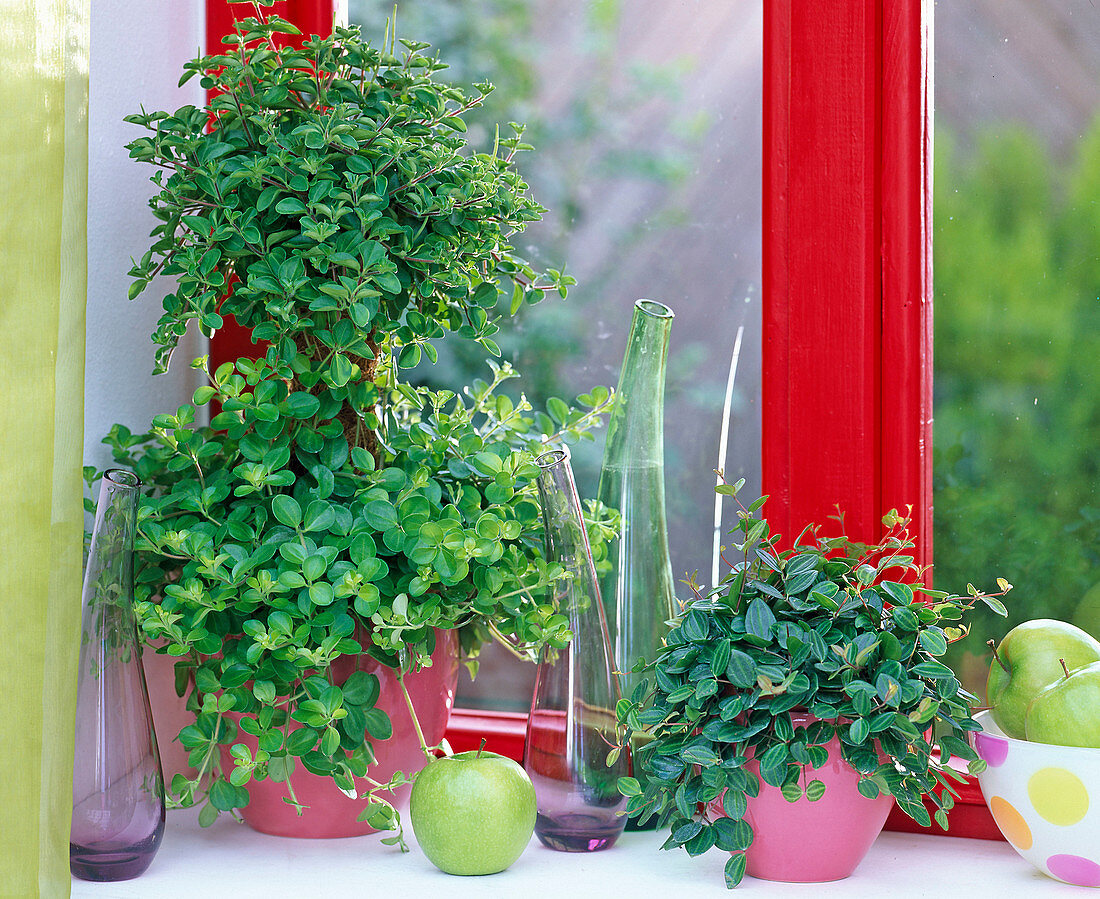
(232, 860)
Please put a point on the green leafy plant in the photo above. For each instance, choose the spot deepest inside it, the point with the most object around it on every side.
(839, 629)
(326, 200)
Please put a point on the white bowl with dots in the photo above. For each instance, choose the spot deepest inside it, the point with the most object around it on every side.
(1045, 800)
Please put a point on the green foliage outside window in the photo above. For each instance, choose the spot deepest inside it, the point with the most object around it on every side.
(1017, 369)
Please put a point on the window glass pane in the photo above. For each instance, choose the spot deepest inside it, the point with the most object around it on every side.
(1017, 311)
(646, 118)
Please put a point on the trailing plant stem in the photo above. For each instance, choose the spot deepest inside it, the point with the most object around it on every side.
(416, 721)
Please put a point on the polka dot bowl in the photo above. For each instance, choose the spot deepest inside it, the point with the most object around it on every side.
(1046, 801)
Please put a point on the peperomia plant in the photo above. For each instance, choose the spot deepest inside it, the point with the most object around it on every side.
(327, 200)
(842, 630)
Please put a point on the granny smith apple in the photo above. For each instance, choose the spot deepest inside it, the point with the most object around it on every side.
(1067, 712)
(473, 813)
(1028, 661)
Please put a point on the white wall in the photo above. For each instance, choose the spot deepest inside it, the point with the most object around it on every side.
(137, 56)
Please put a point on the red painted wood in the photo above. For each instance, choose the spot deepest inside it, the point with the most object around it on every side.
(312, 16)
(231, 341)
(821, 274)
(906, 191)
(776, 389)
(221, 14)
(847, 265)
(504, 732)
(847, 355)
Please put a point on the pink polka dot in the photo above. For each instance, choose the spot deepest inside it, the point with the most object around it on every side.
(1074, 869)
(992, 750)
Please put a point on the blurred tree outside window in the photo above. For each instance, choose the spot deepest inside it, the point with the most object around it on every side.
(1017, 311)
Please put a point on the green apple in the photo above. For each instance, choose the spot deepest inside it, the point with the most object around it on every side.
(1028, 661)
(473, 813)
(1067, 713)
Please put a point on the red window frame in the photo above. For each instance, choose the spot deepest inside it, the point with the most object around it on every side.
(847, 354)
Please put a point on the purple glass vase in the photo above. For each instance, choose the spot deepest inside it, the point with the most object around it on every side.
(572, 727)
(118, 788)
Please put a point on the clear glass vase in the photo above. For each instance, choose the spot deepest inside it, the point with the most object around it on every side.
(572, 728)
(118, 787)
(638, 592)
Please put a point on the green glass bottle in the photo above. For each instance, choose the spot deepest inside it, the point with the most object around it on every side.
(638, 591)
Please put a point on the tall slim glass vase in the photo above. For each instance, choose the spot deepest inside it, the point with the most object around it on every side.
(118, 787)
(572, 727)
(638, 590)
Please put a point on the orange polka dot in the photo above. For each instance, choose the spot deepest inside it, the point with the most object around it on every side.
(1011, 822)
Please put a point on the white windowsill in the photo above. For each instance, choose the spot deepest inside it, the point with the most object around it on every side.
(231, 860)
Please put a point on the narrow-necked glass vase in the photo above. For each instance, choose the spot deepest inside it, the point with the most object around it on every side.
(638, 591)
(118, 787)
(571, 728)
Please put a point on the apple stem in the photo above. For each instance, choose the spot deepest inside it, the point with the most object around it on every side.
(479, 748)
(1064, 668)
(992, 644)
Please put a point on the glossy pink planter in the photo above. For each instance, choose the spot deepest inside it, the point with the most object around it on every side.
(813, 842)
(330, 812)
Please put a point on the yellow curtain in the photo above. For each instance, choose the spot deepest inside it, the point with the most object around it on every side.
(43, 271)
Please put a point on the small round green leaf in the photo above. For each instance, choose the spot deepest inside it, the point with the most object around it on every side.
(286, 510)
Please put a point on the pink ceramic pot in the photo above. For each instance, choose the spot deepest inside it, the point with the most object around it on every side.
(813, 842)
(330, 812)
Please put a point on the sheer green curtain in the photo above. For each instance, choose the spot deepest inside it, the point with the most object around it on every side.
(43, 262)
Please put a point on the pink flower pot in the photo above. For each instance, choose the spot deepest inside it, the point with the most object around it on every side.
(330, 812)
(812, 842)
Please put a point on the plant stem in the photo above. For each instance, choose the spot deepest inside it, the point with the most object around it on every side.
(210, 750)
(506, 643)
(290, 786)
(416, 721)
(1064, 668)
(293, 796)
